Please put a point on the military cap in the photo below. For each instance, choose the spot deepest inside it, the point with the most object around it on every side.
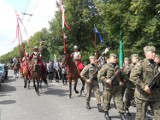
(157, 56)
(126, 59)
(92, 57)
(149, 48)
(134, 55)
(112, 55)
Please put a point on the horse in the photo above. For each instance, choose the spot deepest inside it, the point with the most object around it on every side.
(37, 75)
(72, 74)
(16, 67)
(26, 73)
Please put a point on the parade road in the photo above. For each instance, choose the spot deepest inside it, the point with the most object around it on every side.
(17, 103)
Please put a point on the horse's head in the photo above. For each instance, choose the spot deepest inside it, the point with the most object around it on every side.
(65, 59)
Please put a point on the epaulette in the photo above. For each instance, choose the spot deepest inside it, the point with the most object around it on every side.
(139, 63)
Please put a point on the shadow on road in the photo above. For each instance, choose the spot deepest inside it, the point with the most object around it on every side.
(7, 102)
(7, 88)
(10, 79)
(59, 92)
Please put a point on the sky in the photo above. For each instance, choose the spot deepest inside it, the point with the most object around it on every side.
(42, 10)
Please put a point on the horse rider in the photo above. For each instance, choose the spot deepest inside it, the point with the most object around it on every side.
(76, 56)
(24, 62)
(14, 61)
(36, 55)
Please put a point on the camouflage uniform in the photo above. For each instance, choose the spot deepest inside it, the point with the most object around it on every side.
(129, 85)
(124, 66)
(90, 73)
(142, 74)
(106, 72)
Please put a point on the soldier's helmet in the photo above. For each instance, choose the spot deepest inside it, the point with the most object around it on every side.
(75, 47)
(35, 48)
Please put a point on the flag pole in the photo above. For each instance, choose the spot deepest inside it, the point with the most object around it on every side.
(121, 54)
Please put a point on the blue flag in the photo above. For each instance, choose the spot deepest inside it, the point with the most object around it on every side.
(99, 35)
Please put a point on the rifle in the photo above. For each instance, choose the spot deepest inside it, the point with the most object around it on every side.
(153, 81)
(93, 75)
(114, 76)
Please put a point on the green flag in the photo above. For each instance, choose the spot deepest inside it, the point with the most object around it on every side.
(121, 54)
(51, 56)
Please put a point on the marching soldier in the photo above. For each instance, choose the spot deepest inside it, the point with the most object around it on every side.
(129, 85)
(110, 76)
(125, 64)
(157, 60)
(141, 76)
(89, 74)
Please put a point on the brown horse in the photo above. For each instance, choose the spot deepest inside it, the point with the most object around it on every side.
(37, 75)
(73, 74)
(26, 74)
(16, 67)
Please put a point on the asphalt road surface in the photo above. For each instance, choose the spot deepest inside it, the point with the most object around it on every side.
(17, 103)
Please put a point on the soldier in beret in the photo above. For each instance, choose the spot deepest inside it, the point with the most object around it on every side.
(89, 74)
(112, 83)
(129, 85)
(141, 76)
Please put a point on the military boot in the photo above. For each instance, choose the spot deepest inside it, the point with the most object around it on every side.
(127, 112)
(106, 115)
(149, 114)
(100, 108)
(88, 106)
(123, 117)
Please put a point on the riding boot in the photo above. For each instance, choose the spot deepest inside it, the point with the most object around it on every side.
(127, 112)
(106, 115)
(123, 117)
(88, 106)
(100, 108)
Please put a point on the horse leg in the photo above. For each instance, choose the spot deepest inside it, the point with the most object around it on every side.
(75, 86)
(29, 84)
(40, 83)
(70, 88)
(38, 80)
(83, 84)
(25, 81)
(34, 83)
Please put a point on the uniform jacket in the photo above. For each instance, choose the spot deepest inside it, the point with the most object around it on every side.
(89, 71)
(141, 75)
(126, 75)
(106, 72)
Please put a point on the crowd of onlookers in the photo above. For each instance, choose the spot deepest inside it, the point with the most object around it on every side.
(56, 71)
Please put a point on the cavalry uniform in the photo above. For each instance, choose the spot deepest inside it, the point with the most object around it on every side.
(142, 74)
(36, 58)
(90, 73)
(25, 63)
(76, 56)
(106, 72)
